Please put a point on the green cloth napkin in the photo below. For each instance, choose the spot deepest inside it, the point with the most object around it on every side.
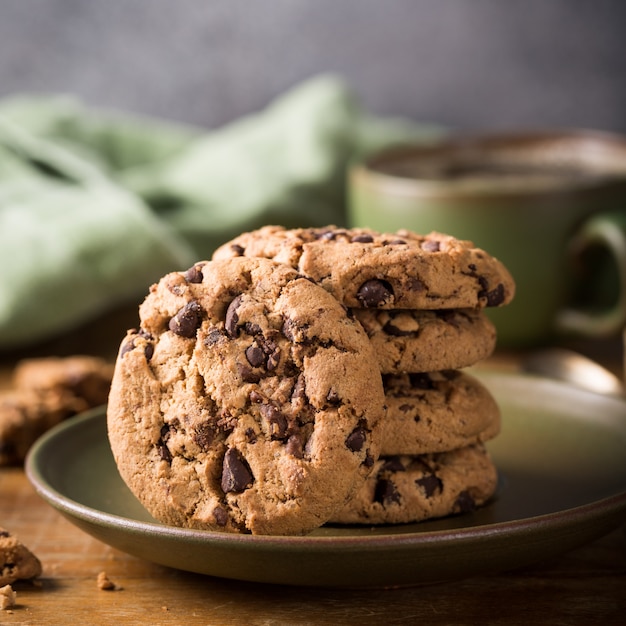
(95, 206)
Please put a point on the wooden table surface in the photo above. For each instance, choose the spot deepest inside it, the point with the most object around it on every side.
(584, 586)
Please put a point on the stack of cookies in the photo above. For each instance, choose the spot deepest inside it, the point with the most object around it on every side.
(310, 376)
(421, 300)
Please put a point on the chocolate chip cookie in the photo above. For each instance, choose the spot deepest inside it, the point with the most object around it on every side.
(17, 562)
(436, 412)
(86, 377)
(405, 489)
(425, 341)
(44, 391)
(249, 400)
(366, 269)
(26, 414)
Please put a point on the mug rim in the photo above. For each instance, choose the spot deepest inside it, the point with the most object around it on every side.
(599, 145)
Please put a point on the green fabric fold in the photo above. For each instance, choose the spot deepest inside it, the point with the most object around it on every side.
(95, 206)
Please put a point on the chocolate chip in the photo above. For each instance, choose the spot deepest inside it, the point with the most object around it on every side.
(187, 320)
(251, 329)
(226, 421)
(385, 492)
(364, 238)
(415, 284)
(232, 317)
(204, 435)
(250, 435)
(263, 352)
(464, 503)
(130, 345)
(295, 331)
(333, 398)
(278, 423)
(289, 329)
(374, 293)
(247, 374)
(164, 451)
(220, 515)
(271, 351)
(255, 355)
(327, 235)
(237, 249)
(431, 246)
(236, 474)
(273, 358)
(295, 446)
(213, 337)
(299, 392)
(356, 439)
(194, 274)
(431, 484)
(369, 460)
(256, 397)
(496, 296)
(127, 346)
(331, 235)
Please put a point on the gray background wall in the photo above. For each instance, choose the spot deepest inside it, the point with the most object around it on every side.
(463, 63)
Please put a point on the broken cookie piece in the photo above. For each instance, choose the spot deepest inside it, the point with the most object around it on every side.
(44, 392)
(87, 378)
(17, 562)
(105, 583)
(7, 597)
(26, 414)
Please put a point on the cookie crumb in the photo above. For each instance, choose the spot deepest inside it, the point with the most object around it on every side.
(105, 583)
(7, 597)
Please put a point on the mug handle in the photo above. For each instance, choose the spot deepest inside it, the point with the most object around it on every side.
(607, 231)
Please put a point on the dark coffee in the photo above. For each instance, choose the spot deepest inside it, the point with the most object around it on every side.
(486, 171)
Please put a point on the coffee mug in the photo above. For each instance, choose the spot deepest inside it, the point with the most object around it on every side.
(550, 205)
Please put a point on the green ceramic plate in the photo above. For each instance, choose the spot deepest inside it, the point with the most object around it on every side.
(562, 458)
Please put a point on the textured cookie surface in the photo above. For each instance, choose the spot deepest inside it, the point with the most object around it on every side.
(425, 341)
(247, 401)
(402, 270)
(436, 412)
(17, 562)
(407, 489)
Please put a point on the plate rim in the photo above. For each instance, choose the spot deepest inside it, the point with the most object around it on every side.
(614, 505)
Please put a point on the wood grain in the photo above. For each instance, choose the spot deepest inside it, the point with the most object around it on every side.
(585, 586)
